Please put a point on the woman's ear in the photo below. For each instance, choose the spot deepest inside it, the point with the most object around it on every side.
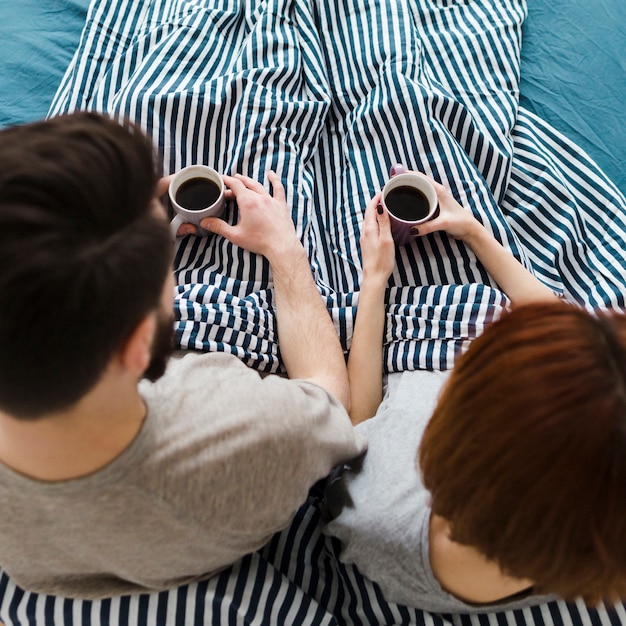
(136, 353)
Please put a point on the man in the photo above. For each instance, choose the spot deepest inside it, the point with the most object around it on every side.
(118, 485)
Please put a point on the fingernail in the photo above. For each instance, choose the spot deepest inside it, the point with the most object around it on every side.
(379, 208)
(415, 231)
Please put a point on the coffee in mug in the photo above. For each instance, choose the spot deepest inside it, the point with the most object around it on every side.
(198, 193)
(407, 203)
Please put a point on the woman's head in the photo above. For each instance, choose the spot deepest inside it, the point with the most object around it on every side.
(525, 454)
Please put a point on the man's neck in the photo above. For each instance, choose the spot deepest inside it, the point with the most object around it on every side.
(465, 573)
(76, 442)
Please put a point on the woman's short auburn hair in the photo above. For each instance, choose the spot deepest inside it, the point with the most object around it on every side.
(525, 454)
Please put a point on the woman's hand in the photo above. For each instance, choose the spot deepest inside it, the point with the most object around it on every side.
(378, 250)
(365, 363)
(453, 218)
(520, 285)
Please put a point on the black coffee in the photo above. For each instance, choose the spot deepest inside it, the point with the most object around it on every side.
(407, 203)
(196, 194)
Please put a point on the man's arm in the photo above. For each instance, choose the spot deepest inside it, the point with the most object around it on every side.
(308, 341)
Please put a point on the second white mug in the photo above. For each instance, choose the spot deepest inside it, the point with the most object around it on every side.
(195, 192)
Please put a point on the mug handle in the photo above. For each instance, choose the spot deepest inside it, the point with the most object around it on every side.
(175, 224)
(396, 169)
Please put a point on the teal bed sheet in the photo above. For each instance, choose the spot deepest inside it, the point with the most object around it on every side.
(304, 115)
(38, 38)
(573, 75)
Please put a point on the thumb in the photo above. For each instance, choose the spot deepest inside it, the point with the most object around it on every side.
(163, 185)
(218, 226)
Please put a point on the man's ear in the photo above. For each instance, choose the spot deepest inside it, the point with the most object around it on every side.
(136, 352)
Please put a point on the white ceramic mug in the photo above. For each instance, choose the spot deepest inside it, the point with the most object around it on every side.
(195, 192)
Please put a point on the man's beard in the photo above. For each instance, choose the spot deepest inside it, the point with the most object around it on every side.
(162, 346)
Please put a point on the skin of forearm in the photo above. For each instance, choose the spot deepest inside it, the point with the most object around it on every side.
(511, 276)
(309, 344)
(365, 363)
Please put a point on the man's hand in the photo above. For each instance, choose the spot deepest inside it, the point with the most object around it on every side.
(161, 194)
(309, 344)
(265, 225)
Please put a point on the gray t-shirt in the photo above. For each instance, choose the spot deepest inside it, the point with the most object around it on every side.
(381, 509)
(222, 461)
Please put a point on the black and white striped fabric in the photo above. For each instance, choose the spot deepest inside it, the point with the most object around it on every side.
(330, 94)
(297, 579)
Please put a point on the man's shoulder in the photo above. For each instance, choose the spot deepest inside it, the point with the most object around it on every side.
(219, 386)
(193, 371)
(192, 359)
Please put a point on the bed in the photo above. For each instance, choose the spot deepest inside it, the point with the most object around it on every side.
(493, 99)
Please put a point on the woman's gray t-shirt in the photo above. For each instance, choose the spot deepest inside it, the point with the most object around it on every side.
(383, 510)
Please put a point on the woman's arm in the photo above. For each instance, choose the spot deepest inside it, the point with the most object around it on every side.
(365, 363)
(512, 277)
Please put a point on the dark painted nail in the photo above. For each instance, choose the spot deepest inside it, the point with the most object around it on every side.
(379, 208)
(415, 231)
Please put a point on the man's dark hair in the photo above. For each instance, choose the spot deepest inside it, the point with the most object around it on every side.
(83, 255)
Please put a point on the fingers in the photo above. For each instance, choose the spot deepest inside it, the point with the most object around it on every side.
(277, 186)
(382, 216)
(250, 183)
(376, 217)
(163, 185)
(384, 223)
(425, 228)
(239, 183)
(369, 218)
(186, 229)
(234, 183)
(218, 226)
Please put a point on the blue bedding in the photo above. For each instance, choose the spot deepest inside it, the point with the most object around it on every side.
(330, 94)
(38, 40)
(330, 103)
(574, 75)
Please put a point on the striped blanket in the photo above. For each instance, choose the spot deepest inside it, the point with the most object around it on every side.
(296, 580)
(330, 94)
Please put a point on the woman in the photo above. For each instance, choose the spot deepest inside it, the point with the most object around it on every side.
(517, 494)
